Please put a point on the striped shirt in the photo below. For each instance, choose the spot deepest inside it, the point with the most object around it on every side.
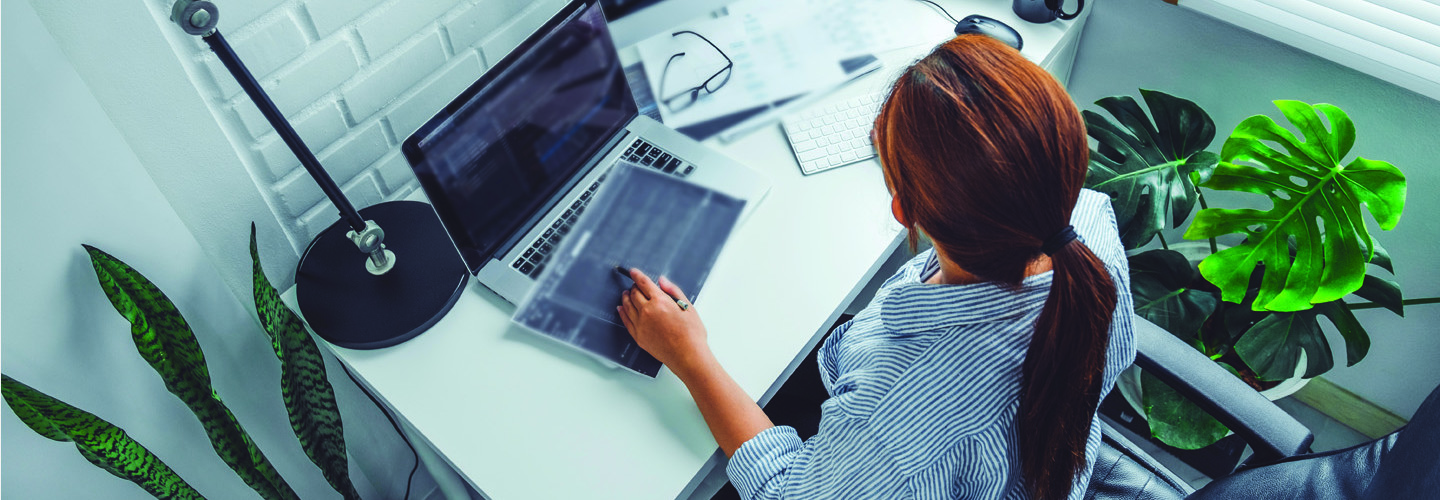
(924, 388)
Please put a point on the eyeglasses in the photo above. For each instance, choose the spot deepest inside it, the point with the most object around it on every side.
(686, 98)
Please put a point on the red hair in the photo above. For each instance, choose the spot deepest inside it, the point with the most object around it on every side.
(986, 153)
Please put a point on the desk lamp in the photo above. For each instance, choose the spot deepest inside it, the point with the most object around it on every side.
(358, 286)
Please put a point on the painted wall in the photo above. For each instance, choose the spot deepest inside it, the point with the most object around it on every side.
(1233, 74)
(70, 178)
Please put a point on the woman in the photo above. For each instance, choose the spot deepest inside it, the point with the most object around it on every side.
(976, 370)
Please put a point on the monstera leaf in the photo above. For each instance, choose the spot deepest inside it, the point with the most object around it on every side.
(1149, 170)
(1174, 419)
(1159, 282)
(100, 442)
(1383, 292)
(1270, 343)
(309, 397)
(165, 341)
(1316, 204)
(1272, 346)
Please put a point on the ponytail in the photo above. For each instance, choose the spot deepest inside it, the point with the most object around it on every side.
(1060, 380)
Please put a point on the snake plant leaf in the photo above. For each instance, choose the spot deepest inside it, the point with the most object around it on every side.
(1316, 202)
(166, 342)
(1384, 292)
(1159, 281)
(1272, 347)
(100, 442)
(1174, 420)
(1149, 169)
(309, 397)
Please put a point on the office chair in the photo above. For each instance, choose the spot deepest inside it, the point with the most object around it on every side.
(1402, 465)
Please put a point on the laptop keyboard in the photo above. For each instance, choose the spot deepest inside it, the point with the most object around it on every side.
(532, 262)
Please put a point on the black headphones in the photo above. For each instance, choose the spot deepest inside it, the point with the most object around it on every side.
(1044, 11)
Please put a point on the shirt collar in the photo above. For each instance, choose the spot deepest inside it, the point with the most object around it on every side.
(912, 306)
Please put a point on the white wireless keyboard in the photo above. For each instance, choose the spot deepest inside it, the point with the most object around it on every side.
(834, 135)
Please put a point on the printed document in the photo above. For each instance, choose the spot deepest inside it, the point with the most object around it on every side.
(641, 218)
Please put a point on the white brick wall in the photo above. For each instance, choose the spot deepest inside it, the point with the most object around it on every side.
(355, 78)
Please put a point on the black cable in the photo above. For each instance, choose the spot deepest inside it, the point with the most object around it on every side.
(392, 424)
(942, 9)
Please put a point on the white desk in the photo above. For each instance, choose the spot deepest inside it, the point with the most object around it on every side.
(520, 417)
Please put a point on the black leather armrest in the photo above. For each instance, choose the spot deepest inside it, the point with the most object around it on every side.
(1271, 432)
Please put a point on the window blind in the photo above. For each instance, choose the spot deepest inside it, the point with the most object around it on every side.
(1394, 40)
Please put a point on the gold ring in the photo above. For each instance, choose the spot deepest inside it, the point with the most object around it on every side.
(684, 306)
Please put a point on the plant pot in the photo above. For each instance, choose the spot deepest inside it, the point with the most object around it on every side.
(1290, 385)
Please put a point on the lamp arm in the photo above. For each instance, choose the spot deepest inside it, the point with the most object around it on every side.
(199, 17)
(217, 43)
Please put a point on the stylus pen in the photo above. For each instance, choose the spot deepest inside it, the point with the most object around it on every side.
(623, 272)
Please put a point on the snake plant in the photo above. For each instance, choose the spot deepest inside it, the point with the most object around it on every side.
(165, 341)
(309, 397)
(100, 442)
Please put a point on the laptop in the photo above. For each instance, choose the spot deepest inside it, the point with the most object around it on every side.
(511, 163)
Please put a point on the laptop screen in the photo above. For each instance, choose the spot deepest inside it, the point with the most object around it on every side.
(492, 159)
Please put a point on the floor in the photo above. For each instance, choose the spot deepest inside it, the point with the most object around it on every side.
(1329, 434)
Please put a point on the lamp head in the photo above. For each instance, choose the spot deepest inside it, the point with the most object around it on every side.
(196, 17)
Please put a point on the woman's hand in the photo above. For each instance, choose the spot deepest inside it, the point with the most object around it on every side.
(675, 336)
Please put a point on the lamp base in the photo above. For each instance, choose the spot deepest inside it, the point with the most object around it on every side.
(349, 307)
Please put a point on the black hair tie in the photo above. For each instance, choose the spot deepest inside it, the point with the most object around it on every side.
(1058, 241)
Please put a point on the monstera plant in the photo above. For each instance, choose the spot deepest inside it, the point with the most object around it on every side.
(1253, 305)
(164, 340)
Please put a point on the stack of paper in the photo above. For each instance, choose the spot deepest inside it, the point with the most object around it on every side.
(779, 49)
